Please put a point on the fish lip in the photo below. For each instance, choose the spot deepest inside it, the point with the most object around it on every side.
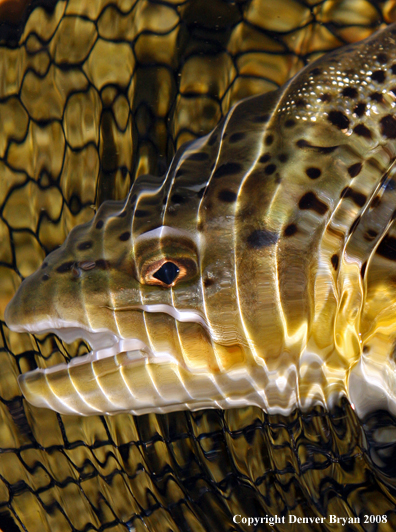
(104, 343)
(137, 351)
(69, 331)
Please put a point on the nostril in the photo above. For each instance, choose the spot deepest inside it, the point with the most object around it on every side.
(86, 265)
(76, 271)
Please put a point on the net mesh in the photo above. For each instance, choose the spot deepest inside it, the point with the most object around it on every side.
(93, 94)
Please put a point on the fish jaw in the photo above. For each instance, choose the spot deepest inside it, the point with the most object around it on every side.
(131, 382)
(137, 381)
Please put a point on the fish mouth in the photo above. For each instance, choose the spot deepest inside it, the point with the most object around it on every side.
(97, 382)
(104, 343)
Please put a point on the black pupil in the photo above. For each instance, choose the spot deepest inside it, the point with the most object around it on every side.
(167, 273)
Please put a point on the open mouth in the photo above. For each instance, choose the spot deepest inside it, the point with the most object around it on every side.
(95, 383)
(104, 344)
(120, 375)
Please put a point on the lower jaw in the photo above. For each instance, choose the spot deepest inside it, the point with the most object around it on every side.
(136, 381)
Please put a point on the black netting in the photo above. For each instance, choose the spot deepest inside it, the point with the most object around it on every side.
(93, 94)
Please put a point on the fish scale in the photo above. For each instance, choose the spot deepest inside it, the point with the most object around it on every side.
(273, 223)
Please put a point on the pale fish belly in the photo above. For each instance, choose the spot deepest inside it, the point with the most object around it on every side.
(258, 271)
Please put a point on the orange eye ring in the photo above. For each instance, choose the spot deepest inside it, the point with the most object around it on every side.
(177, 271)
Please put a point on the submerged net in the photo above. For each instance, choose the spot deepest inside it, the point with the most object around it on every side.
(93, 94)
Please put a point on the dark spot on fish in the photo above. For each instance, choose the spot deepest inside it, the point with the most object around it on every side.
(199, 156)
(334, 261)
(125, 236)
(357, 197)
(235, 137)
(363, 269)
(122, 214)
(350, 92)
(304, 144)
(355, 169)
(290, 123)
(200, 226)
(141, 213)
(338, 119)
(325, 97)
(393, 68)
(261, 119)
(315, 71)
(201, 192)
(283, 157)
(100, 224)
(360, 109)
(377, 97)
(261, 238)
(376, 201)
(227, 195)
(300, 102)
(354, 225)
(102, 264)
(270, 169)
(313, 173)
(85, 245)
(382, 58)
(311, 202)
(212, 139)
(65, 267)
(265, 158)
(366, 349)
(269, 139)
(44, 265)
(378, 75)
(362, 131)
(290, 230)
(227, 169)
(387, 248)
(388, 126)
(370, 234)
(45, 277)
(208, 282)
(178, 198)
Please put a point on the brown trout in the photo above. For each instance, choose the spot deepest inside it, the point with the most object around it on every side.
(260, 270)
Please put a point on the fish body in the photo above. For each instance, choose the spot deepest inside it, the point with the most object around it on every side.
(260, 270)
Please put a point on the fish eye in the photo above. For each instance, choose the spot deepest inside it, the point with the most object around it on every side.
(167, 273)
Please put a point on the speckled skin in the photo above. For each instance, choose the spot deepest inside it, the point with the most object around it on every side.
(281, 225)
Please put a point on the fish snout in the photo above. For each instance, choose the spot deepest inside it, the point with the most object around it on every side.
(27, 303)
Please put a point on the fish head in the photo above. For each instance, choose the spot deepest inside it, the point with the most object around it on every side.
(153, 274)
